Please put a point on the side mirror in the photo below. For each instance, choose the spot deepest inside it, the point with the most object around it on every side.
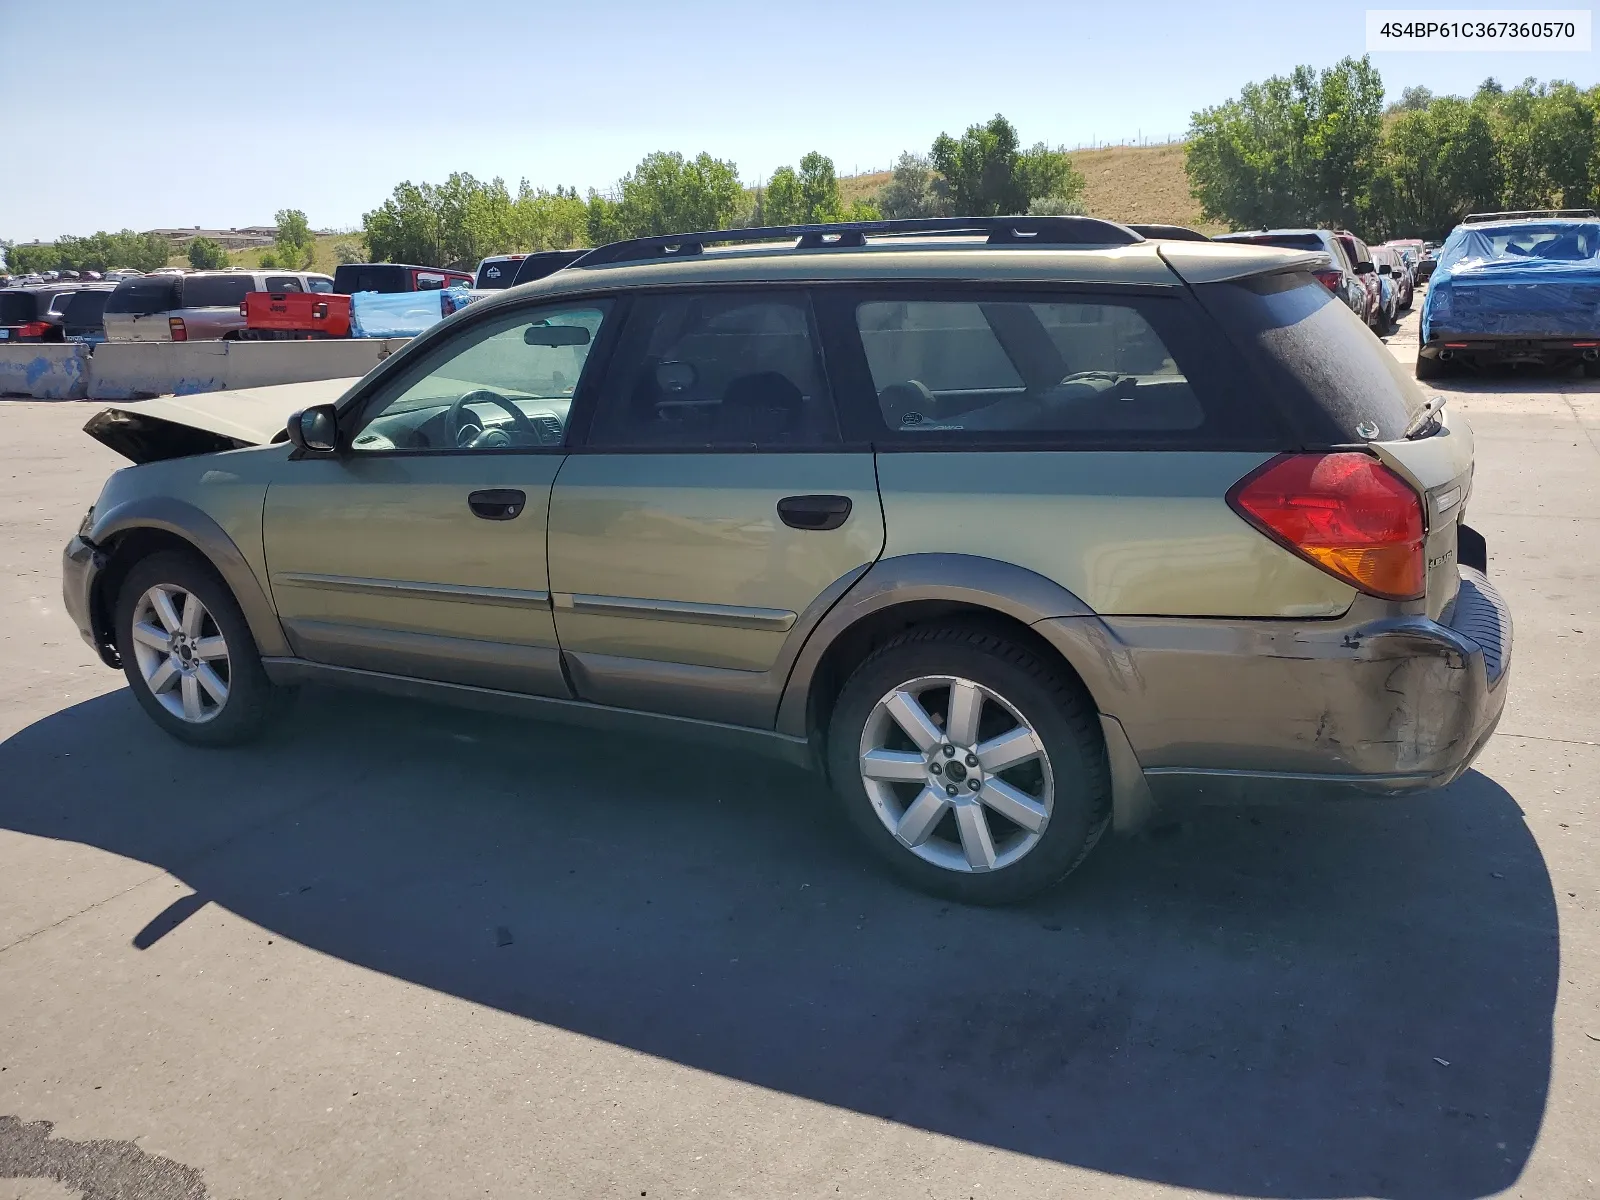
(1365, 268)
(314, 430)
(1386, 269)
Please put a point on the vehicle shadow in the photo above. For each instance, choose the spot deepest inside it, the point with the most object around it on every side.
(1348, 999)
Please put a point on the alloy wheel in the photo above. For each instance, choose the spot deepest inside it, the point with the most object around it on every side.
(182, 655)
(956, 773)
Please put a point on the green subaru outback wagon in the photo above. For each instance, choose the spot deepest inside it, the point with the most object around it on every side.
(1002, 525)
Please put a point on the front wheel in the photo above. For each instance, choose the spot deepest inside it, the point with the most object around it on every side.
(188, 653)
(973, 767)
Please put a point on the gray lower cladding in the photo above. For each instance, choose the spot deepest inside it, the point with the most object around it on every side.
(455, 660)
(289, 672)
(1390, 701)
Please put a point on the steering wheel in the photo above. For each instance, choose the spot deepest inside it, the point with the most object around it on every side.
(468, 433)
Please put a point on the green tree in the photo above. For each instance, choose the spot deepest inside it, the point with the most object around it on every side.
(1415, 99)
(207, 255)
(667, 193)
(910, 191)
(979, 171)
(1292, 150)
(1438, 164)
(350, 250)
(294, 244)
(405, 227)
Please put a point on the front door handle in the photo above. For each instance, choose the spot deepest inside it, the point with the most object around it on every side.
(497, 504)
(814, 512)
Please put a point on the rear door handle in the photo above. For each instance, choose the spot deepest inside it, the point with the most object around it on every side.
(497, 504)
(814, 512)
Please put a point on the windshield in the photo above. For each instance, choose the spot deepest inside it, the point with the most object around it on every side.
(1533, 244)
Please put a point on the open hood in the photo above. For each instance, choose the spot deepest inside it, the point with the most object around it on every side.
(176, 426)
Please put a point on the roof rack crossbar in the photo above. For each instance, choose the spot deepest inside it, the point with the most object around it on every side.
(1000, 231)
(1475, 218)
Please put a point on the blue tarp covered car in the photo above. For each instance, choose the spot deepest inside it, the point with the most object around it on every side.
(1513, 291)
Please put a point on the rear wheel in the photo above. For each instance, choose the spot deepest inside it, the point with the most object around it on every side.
(188, 653)
(1429, 368)
(969, 765)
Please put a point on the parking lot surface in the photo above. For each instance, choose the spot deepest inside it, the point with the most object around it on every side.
(402, 951)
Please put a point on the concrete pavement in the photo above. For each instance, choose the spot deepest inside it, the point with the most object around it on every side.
(403, 951)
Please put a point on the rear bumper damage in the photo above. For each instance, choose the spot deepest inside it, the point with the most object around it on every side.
(1387, 704)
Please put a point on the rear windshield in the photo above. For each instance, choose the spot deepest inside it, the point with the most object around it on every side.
(85, 310)
(370, 277)
(497, 273)
(17, 308)
(1342, 383)
(141, 297)
(216, 291)
(1289, 241)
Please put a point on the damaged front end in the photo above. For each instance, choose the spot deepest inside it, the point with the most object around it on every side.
(144, 438)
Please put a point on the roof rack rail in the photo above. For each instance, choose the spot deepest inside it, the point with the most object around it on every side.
(1475, 218)
(1000, 231)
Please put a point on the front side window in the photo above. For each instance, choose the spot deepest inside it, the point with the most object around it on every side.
(984, 367)
(717, 370)
(504, 384)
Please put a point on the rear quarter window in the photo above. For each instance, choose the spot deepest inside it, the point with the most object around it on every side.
(1339, 383)
(216, 291)
(1057, 370)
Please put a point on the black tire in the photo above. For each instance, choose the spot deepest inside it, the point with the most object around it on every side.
(1429, 368)
(252, 701)
(1058, 710)
(1591, 370)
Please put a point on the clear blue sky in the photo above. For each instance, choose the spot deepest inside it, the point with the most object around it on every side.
(156, 114)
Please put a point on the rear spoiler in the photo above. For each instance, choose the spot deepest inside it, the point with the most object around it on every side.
(1219, 262)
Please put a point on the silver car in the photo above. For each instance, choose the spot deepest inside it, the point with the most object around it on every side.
(198, 306)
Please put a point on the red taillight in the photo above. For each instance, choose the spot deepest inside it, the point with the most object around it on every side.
(33, 329)
(179, 333)
(1330, 279)
(244, 308)
(1346, 512)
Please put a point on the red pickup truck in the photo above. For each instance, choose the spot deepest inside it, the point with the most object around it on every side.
(273, 316)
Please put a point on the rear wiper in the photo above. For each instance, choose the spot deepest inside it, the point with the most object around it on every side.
(1423, 422)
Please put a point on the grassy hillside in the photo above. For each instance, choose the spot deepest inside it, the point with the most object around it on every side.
(1121, 183)
(323, 258)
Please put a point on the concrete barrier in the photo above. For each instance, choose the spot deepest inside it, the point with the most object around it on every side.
(133, 370)
(45, 371)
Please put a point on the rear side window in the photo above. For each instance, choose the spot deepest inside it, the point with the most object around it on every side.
(1318, 357)
(283, 283)
(732, 370)
(319, 283)
(216, 291)
(141, 297)
(998, 369)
